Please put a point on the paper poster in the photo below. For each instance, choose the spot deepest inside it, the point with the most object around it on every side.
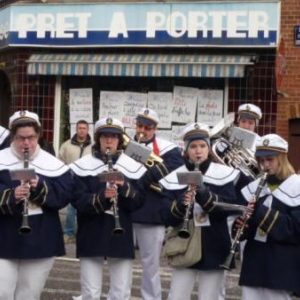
(111, 104)
(133, 103)
(81, 105)
(162, 103)
(184, 104)
(210, 106)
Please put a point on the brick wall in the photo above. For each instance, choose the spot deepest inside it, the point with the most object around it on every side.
(288, 106)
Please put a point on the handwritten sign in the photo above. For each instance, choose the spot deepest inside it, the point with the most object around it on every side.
(177, 135)
(133, 103)
(184, 104)
(111, 104)
(81, 105)
(162, 104)
(210, 106)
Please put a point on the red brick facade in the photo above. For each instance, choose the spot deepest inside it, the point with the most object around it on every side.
(288, 107)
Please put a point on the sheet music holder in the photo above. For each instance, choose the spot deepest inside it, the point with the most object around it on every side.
(191, 177)
(22, 174)
(138, 152)
(242, 138)
(111, 176)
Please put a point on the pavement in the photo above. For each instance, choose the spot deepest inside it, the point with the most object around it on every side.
(63, 282)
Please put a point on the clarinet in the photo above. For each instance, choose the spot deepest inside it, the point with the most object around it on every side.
(118, 230)
(184, 232)
(25, 228)
(227, 263)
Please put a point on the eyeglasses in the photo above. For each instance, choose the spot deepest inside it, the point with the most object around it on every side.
(30, 138)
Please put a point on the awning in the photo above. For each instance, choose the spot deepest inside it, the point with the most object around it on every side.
(139, 65)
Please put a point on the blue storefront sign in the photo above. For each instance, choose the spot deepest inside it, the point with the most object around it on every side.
(141, 24)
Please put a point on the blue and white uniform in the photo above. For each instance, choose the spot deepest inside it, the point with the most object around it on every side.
(33, 253)
(272, 253)
(219, 181)
(95, 219)
(149, 227)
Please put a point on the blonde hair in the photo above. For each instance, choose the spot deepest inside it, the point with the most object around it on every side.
(285, 169)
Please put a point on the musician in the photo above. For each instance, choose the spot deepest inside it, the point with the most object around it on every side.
(271, 263)
(218, 185)
(148, 224)
(4, 135)
(249, 116)
(26, 260)
(96, 220)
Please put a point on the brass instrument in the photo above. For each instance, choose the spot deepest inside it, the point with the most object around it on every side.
(184, 232)
(118, 230)
(25, 228)
(236, 157)
(227, 263)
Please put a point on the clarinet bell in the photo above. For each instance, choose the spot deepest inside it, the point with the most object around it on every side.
(184, 233)
(24, 229)
(227, 263)
(118, 231)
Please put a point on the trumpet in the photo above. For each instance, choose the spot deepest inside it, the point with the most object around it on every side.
(25, 228)
(227, 263)
(184, 232)
(118, 230)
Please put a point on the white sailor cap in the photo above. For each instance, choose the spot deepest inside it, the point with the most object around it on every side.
(195, 131)
(147, 116)
(109, 125)
(249, 111)
(271, 144)
(23, 117)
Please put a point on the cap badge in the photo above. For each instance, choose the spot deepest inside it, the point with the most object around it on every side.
(248, 107)
(196, 126)
(109, 121)
(266, 142)
(22, 113)
(146, 112)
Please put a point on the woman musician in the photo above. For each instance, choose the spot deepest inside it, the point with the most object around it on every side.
(271, 264)
(218, 185)
(31, 234)
(103, 209)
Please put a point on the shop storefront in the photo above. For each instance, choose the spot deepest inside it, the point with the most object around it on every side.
(46, 50)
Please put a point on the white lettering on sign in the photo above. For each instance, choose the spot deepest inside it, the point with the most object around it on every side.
(118, 26)
(4, 29)
(236, 24)
(57, 24)
(233, 22)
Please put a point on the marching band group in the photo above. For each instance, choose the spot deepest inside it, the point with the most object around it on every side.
(119, 199)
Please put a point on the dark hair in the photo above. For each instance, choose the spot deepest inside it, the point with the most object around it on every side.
(82, 122)
(96, 147)
(15, 127)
